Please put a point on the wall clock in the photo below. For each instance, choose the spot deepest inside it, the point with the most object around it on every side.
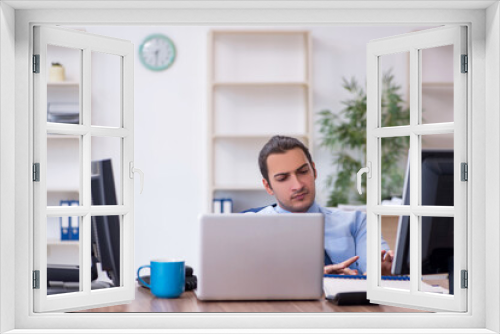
(157, 52)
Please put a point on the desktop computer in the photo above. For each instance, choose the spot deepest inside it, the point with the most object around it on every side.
(437, 232)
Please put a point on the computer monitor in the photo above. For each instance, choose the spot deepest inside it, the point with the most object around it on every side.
(105, 238)
(437, 232)
(105, 229)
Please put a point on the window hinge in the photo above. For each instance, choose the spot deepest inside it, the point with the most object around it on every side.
(465, 171)
(465, 279)
(36, 63)
(465, 64)
(36, 279)
(36, 172)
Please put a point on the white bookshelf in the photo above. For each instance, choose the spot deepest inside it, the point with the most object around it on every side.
(63, 175)
(73, 84)
(259, 85)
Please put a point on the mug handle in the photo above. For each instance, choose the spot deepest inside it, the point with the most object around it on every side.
(139, 277)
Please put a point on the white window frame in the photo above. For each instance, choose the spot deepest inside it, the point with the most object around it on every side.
(484, 105)
(124, 52)
(413, 43)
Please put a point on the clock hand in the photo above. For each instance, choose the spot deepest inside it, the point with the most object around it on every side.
(156, 57)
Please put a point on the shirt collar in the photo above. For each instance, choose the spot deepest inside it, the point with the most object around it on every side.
(313, 209)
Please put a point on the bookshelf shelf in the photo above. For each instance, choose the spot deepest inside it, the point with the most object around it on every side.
(63, 84)
(259, 86)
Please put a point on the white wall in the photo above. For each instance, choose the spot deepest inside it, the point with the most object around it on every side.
(491, 162)
(7, 167)
(170, 108)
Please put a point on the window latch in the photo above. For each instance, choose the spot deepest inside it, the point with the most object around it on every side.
(368, 171)
(133, 170)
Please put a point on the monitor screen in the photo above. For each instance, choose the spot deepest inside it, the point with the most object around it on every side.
(437, 232)
(105, 229)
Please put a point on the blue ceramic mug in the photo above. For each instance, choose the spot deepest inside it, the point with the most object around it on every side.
(167, 278)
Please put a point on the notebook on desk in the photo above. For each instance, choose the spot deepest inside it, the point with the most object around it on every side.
(260, 257)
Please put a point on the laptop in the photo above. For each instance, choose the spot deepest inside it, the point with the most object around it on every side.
(261, 257)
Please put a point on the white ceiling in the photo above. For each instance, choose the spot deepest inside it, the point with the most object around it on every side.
(248, 4)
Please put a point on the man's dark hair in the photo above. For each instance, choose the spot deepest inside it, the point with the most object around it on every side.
(277, 145)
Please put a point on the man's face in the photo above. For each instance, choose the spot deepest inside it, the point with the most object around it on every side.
(291, 180)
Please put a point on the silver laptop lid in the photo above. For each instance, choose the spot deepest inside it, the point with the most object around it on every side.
(255, 256)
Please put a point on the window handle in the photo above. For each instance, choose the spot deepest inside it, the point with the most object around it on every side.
(368, 171)
(136, 170)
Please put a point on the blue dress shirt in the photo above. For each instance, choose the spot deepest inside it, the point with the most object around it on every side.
(345, 234)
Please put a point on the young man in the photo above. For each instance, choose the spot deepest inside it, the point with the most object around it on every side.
(289, 175)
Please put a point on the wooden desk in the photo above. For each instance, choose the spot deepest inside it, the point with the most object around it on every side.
(187, 302)
(145, 302)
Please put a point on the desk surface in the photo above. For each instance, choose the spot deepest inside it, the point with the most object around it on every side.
(187, 302)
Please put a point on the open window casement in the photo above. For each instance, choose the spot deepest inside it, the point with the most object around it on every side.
(68, 140)
(420, 128)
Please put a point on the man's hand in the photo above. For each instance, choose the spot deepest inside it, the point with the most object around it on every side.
(387, 257)
(342, 268)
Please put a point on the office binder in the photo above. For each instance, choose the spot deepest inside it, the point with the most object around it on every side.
(217, 205)
(227, 205)
(74, 222)
(64, 223)
(222, 205)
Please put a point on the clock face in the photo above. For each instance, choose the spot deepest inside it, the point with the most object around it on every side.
(157, 52)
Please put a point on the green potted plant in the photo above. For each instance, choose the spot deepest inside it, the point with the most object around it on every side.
(344, 135)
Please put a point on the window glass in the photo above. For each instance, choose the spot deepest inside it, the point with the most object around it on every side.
(106, 89)
(64, 67)
(437, 84)
(106, 170)
(395, 97)
(393, 165)
(437, 173)
(437, 254)
(395, 231)
(63, 254)
(63, 167)
(106, 251)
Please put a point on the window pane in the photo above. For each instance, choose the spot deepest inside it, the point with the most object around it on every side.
(106, 170)
(63, 165)
(437, 254)
(395, 97)
(438, 142)
(396, 233)
(63, 84)
(106, 241)
(106, 89)
(63, 254)
(437, 84)
(393, 167)
(437, 173)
